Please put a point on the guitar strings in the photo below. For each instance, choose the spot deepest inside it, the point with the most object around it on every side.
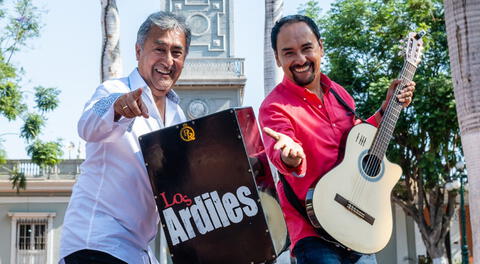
(375, 155)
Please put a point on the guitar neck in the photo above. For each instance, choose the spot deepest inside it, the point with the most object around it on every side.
(391, 114)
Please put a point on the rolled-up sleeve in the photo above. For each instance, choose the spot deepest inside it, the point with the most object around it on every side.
(97, 121)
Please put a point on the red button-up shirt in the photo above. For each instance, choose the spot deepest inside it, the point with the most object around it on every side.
(318, 127)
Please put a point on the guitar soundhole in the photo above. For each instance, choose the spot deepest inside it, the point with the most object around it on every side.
(371, 165)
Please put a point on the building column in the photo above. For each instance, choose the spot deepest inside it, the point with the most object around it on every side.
(13, 238)
(50, 238)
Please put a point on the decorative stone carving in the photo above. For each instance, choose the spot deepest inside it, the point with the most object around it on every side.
(199, 24)
(212, 78)
(197, 108)
(209, 21)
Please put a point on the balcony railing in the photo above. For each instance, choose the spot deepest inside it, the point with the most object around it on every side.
(67, 169)
(212, 68)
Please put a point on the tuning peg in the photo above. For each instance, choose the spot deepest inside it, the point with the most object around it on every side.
(420, 34)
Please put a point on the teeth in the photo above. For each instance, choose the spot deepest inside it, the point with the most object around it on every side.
(162, 72)
(302, 69)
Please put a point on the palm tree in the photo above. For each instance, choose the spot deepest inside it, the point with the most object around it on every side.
(271, 77)
(462, 19)
(111, 62)
(271, 73)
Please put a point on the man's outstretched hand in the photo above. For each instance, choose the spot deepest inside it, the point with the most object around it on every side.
(291, 152)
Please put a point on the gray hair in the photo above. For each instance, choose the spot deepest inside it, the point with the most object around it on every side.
(165, 21)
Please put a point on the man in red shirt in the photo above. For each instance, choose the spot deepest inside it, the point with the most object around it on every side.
(303, 124)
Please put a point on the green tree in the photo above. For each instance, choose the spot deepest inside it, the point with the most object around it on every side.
(361, 42)
(19, 23)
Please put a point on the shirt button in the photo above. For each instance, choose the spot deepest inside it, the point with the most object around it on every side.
(334, 125)
(304, 99)
(319, 106)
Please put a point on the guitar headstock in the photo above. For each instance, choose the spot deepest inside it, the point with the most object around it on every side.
(414, 47)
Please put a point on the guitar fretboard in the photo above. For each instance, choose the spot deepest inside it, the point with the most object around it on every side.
(392, 112)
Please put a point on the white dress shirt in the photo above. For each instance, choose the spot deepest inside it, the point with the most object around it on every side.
(112, 208)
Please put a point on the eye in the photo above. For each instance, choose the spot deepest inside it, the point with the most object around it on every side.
(177, 53)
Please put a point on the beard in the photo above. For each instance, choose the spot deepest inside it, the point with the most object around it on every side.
(303, 81)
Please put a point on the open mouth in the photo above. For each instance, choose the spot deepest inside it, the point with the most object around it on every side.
(303, 74)
(303, 68)
(163, 71)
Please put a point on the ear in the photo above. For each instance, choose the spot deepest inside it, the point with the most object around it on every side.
(138, 50)
(277, 60)
(320, 43)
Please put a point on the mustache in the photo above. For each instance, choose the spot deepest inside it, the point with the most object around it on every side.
(172, 69)
(308, 63)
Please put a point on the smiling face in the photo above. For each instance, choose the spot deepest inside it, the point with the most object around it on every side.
(161, 59)
(299, 53)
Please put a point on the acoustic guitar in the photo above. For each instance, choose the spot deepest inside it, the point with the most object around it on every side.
(352, 201)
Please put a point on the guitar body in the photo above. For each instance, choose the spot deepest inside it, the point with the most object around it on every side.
(353, 204)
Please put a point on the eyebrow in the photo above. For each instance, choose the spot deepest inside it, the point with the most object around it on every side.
(303, 46)
(159, 42)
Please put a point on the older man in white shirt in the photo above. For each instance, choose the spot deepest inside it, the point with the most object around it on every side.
(112, 215)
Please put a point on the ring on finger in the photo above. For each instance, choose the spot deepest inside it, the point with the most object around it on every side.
(124, 107)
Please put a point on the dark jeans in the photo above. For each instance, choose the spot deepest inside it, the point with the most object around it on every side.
(87, 256)
(314, 250)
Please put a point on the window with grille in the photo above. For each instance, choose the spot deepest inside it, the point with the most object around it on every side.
(31, 234)
(31, 237)
(31, 242)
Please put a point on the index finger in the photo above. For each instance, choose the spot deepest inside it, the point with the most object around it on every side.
(395, 83)
(137, 93)
(271, 133)
(143, 108)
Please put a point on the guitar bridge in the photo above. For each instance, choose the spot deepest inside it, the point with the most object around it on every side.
(354, 209)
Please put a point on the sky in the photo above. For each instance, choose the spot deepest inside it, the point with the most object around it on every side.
(67, 56)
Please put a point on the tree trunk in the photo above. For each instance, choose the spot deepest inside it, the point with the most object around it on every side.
(463, 30)
(432, 210)
(272, 74)
(111, 62)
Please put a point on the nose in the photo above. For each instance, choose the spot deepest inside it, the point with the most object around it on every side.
(300, 59)
(168, 59)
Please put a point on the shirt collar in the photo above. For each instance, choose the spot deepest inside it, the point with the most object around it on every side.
(173, 96)
(325, 83)
(135, 81)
